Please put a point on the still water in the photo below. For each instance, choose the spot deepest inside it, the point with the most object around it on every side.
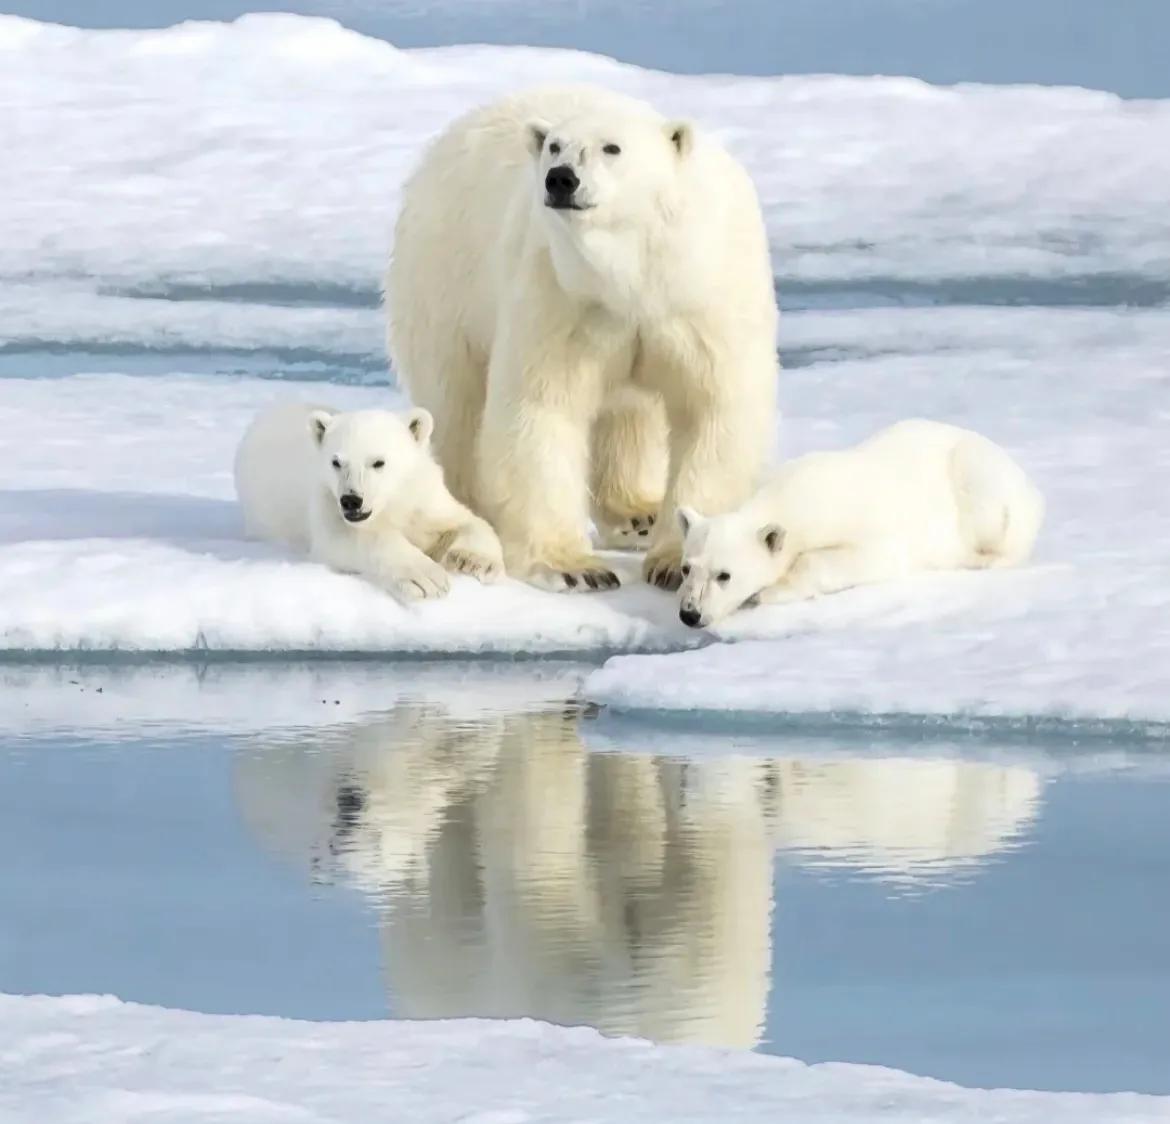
(994, 913)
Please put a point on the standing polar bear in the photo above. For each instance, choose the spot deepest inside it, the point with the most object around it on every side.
(580, 293)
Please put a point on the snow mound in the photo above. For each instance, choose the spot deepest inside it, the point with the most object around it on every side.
(85, 1058)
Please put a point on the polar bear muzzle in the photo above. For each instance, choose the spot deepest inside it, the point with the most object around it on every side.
(351, 508)
(560, 186)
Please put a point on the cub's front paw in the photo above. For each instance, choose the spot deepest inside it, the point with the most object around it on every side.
(475, 564)
(663, 567)
(418, 582)
(584, 574)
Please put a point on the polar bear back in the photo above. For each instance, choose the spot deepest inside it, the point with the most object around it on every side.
(944, 492)
(276, 473)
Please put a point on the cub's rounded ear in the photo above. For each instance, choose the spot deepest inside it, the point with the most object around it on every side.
(688, 517)
(772, 536)
(421, 425)
(319, 423)
(681, 135)
(537, 135)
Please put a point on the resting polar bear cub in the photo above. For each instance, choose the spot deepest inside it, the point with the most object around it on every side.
(917, 496)
(580, 293)
(361, 493)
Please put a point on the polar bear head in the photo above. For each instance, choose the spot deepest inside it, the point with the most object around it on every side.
(727, 560)
(608, 169)
(367, 457)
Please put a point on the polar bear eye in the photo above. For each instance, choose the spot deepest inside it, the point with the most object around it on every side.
(686, 571)
(723, 577)
(554, 148)
(336, 463)
(612, 150)
(378, 464)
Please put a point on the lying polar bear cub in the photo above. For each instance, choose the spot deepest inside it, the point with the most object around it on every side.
(917, 496)
(360, 492)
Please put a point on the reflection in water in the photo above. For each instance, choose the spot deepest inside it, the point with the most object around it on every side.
(904, 819)
(516, 873)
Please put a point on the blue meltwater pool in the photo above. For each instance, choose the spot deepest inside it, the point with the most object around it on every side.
(252, 840)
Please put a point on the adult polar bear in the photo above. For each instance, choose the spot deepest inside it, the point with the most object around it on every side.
(568, 263)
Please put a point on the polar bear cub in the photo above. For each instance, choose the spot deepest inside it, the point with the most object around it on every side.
(917, 496)
(361, 493)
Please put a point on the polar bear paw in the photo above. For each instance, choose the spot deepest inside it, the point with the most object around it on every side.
(586, 574)
(418, 581)
(625, 532)
(474, 563)
(663, 567)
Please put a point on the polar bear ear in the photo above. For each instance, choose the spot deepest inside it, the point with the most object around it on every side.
(319, 423)
(682, 136)
(688, 517)
(772, 536)
(537, 135)
(421, 425)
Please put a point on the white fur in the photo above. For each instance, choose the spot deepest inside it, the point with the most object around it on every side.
(296, 462)
(917, 496)
(637, 334)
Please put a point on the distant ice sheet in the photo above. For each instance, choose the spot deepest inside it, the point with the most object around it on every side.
(203, 162)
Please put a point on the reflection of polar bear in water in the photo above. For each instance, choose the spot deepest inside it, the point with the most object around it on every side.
(518, 874)
(626, 892)
(904, 818)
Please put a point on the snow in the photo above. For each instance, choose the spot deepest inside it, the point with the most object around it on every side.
(194, 160)
(228, 190)
(141, 549)
(146, 554)
(84, 1058)
(1075, 636)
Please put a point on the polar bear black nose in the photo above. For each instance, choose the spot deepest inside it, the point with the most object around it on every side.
(690, 617)
(560, 183)
(351, 501)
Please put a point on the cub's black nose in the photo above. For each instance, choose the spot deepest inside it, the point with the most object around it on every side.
(689, 617)
(351, 501)
(560, 183)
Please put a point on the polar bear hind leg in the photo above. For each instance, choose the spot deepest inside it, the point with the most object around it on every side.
(1000, 508)
(629, 462)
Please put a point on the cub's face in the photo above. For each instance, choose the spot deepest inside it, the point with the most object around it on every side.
(727, 560)
(367, 457)
(602, 170)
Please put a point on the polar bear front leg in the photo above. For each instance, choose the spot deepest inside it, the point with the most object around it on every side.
(716, 456)
(718, 381)
(388, 560)
(534, 461)
(471, 547)
(834, 569)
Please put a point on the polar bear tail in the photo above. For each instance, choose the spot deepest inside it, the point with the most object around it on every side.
(999, 505)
